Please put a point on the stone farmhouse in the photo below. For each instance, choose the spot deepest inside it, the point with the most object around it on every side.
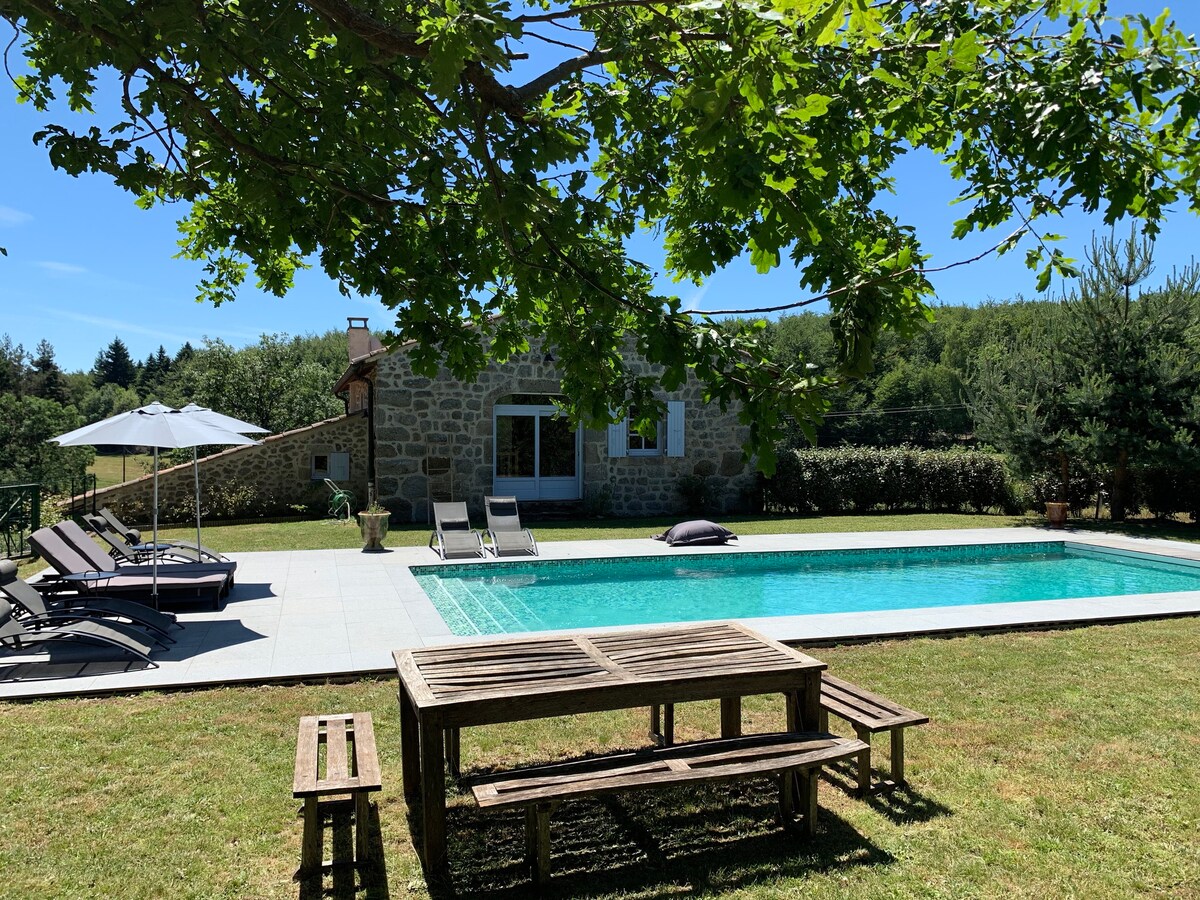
(439, 438)
(411, 440)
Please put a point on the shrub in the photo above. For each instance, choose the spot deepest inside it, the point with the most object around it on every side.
(862, 479)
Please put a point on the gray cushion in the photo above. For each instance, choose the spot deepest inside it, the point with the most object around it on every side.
(698, 533)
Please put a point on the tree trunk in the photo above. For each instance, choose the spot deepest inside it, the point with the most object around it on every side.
(1118, 505)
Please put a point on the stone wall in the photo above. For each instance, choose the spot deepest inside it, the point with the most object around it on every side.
(443, 418)
(275, 475)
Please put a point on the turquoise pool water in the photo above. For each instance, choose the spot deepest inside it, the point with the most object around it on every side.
(503, 598)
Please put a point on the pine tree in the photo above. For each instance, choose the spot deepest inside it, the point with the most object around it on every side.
(46, 379)
(114, 365)
(12, 366)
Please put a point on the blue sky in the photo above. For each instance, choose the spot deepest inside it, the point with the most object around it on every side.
(85, 264)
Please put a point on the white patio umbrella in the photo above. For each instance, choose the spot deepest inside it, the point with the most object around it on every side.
(220, 420)
(156, 426)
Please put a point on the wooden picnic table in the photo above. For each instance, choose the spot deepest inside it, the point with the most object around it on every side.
(457, 686)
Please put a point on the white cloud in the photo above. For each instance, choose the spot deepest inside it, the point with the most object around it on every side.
(61, 268)
(10, 216)
(121, 326)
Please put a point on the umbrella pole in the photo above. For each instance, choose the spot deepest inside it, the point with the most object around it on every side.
(154, 549)
(196, 474)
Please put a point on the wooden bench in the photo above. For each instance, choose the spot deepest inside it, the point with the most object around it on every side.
(351, 774)
(869, 714)
(796, 758)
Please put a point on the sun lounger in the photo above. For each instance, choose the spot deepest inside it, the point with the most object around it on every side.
(133, 536)
(17, 637)
(504, 527)
(126, 554)
(454, 535)
(176, 582)
(117, 612)
(81, 542)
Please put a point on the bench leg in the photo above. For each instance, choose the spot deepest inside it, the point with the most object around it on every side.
(864, 762)
(898, 755)
(537, 840)
(310, 844)
(807, 783)
(362, 816)
(787, 800)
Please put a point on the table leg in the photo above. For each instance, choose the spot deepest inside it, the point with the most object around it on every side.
(731, 717)
(453, 752)
(410, 751)
(810, 703)
(433, 794)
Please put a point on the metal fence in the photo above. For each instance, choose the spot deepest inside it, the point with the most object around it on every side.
(20, 515)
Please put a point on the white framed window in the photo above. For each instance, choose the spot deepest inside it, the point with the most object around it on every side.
(639, 445)
(334, 466)
(668, 440)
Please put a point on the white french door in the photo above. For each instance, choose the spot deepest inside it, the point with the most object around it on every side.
(536, 455)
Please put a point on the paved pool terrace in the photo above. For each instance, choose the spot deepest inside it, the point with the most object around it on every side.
(313, 613)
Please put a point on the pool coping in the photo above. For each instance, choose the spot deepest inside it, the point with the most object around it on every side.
(380, 608)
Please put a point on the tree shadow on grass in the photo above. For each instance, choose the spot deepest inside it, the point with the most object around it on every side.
(720, 838)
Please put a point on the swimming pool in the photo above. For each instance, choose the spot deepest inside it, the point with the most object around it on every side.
(511, 597)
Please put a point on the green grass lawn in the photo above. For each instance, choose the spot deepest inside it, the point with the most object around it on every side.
(107, 469)
(1059, 764)
(324, 534)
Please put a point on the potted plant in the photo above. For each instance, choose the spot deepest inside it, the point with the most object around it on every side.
(1056, 510)
(373, 524)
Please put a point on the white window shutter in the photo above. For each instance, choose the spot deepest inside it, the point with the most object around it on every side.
(674, 428)
(339, 466)
(618, 444)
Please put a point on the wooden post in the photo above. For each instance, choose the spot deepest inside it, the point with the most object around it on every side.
(433, 794)
(808, 799)
(898, 755)
(791, 702)
(310, 846)
(787, 799)
(731, 717)
(669, 724)
(864, 761)
(541, 841)
(410, 751)
(362, 816)
(655, 734)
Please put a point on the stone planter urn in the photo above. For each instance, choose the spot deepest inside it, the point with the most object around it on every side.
(374, 528)
(1056, 514)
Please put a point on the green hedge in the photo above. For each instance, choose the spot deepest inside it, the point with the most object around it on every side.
(862, 479)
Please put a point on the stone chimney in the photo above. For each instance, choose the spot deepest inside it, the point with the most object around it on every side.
(359, 340)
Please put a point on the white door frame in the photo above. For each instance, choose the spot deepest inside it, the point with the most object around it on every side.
(537, 487)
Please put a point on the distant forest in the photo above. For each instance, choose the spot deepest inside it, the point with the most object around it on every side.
(1094, 394)
(281, 382)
